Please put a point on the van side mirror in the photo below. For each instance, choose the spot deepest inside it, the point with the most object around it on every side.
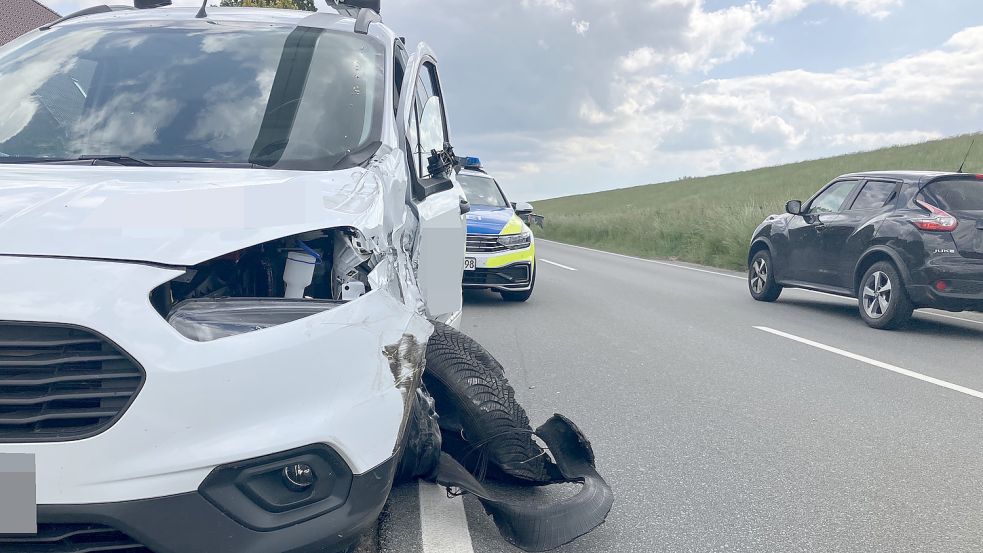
(522, 208)
(794, 207)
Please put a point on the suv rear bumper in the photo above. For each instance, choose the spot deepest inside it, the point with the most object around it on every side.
(190, 523)
(963, 278)
(923, 295)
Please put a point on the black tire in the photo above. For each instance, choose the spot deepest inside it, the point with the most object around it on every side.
(882, 298)
(761, 278)
(482, 425)
(520, 296)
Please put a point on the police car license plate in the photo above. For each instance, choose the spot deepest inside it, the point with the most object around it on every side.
(470, 263)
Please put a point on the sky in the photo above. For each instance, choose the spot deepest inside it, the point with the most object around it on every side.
(561, 97)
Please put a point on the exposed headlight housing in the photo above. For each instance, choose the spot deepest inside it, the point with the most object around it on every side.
(204, 320)
(516, 241)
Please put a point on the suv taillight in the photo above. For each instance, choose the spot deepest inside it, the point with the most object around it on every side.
(940, 221)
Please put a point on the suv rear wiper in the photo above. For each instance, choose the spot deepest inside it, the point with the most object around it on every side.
(118, 160)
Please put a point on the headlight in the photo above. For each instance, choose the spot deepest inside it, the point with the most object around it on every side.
(204, 320)
(516, 241)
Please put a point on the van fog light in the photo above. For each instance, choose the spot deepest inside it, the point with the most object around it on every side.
(941, 286)
(280, 490)
(299, 476)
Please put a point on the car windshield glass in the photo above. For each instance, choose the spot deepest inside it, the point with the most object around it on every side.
(958, 194)
(482, 191)
(273, 96)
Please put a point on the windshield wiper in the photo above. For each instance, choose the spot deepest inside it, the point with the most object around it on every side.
(118, 160)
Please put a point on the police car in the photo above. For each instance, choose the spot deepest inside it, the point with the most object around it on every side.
(501, 250)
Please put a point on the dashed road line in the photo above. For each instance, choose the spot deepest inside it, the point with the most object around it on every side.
(932, 313)
(654, 261)
(443, 521)
(560, 265)
(875, 363)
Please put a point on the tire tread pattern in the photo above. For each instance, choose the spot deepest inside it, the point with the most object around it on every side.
(466, 380)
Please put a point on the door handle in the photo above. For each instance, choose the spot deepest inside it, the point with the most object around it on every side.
(465, 207)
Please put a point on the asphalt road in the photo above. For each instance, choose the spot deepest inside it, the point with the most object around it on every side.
(814, 434)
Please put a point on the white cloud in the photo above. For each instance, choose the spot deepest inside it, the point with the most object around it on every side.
(879, 9)
(641, 58)
(711, 38)
(581, 26)
(739, 123)
(554, 5)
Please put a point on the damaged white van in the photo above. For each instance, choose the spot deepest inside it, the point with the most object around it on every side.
(230, 240)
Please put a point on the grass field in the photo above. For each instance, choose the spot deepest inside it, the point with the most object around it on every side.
(709, 220)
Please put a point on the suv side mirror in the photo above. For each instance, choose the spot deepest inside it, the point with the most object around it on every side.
(522, 208)
(794, 207)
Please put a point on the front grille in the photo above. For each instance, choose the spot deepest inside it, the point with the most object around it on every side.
(484, 243)
(515, 275)
(61, 383)
(71, 538)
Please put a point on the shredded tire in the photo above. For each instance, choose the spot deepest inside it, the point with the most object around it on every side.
(483, 426)
(421, 447)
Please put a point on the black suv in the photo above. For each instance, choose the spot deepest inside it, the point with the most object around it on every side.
(895, 240)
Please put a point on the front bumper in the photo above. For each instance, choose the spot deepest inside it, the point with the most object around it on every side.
(509, 270)
(963, 278)
(189, 523)
(320, 380)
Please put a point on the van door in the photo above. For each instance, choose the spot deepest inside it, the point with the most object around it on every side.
(421, 118)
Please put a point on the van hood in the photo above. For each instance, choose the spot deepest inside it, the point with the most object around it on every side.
(173, 216)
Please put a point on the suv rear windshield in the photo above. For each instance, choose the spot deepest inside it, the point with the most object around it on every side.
(273, 96)
(957, 194)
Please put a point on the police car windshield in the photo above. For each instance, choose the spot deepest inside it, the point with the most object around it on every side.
(197, 91)
(482, 190)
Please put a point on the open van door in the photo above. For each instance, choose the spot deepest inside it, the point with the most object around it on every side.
(438, 199)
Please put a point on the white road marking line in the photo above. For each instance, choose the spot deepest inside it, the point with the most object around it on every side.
(668, 264)
(655, 261)
(558, 264)
(950, 317)
(443, 523)
(875, 363)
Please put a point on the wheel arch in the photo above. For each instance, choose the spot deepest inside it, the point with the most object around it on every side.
(874, 255)
(757, 245)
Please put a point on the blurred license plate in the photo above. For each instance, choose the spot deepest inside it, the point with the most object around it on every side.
(18, 496)
(470, 263)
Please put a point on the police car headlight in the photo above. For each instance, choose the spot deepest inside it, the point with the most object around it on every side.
(516, 241)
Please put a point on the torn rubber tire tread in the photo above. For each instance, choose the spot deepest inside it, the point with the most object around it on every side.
(480, 419)
(544, 524)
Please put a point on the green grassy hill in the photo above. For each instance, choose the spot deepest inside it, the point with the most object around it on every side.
(709, 220)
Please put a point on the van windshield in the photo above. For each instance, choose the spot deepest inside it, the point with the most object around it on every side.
(192, 92)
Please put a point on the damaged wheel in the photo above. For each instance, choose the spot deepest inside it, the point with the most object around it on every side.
(421, 449)
(482, 424)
